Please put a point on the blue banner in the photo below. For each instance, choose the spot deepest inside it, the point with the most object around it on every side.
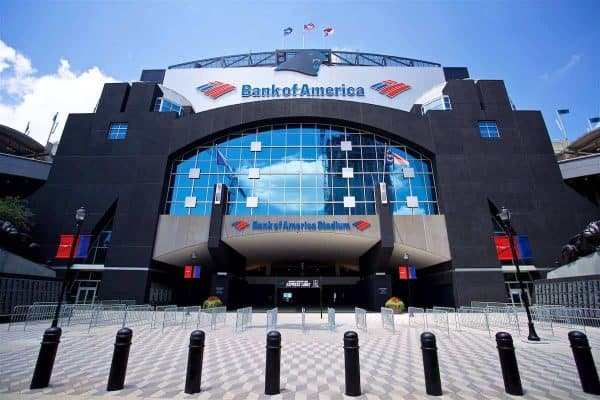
(83, 244)
(412, 272)
(524, 252)
(196, 273)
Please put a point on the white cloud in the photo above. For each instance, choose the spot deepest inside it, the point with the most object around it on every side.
(27, 96)
(573, 60)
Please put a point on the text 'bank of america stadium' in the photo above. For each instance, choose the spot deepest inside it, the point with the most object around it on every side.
(300, 177)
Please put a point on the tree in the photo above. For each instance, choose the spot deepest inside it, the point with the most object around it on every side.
(15, 210)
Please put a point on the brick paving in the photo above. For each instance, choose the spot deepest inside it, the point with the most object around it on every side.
(312, 365)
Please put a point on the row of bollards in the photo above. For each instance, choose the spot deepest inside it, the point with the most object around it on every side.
(506, 353)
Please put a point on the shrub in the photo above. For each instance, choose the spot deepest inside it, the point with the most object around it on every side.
(212, 302)
(395, 304)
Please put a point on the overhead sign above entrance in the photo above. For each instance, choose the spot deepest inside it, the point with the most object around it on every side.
(395, 87)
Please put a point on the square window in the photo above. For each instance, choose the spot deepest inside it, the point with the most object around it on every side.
(194, 173)
(190, 202)
(253, 173)
(408, 172)
(117, 131)
(488, 129)
(255, 146)
(346, 145)
(349, 202)
(412, 201)
(252, 202)
(348, 173)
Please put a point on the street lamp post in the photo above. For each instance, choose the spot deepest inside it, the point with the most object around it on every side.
(80, 215)
(504, 217)
(406, 257)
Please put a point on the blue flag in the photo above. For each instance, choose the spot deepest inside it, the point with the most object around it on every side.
(593, 120)
(287, 31)
(563, 111)
(83, 244)
(221, 160)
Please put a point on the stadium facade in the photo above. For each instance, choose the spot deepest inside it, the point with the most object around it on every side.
(296, 177)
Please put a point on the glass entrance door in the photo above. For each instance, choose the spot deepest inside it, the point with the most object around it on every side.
(85, 295)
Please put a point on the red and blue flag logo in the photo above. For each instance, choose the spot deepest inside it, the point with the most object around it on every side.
(216, 89)
(361, 225)
(240, 225)
(391, 88)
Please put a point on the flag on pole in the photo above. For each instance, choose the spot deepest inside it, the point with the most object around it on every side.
(27, 128)
(221, 160)
(54, 118)
(309, 27)
(563, 111)
(594, 122)
(328, 31)
(287, 31)
(392, 158)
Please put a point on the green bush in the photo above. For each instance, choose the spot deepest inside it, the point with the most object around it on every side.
(395, 304)
(212, 302)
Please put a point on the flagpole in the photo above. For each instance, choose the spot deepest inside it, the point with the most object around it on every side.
(302, 39)
(564, 131)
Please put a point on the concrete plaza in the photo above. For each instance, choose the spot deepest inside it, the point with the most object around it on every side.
(312, 362)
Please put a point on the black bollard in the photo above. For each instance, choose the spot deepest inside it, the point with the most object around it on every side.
(194, 365)
(508, 363)
(431, 367)
(584, 362)
(273, 361)
(118, 367)
(351, 363)
(45, 361)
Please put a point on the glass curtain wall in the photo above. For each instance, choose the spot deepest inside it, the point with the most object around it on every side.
(302, 169)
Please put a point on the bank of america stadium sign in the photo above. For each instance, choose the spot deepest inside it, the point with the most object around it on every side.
(300, 226)
(388, 88)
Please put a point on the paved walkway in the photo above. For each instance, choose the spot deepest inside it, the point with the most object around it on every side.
(312, 365)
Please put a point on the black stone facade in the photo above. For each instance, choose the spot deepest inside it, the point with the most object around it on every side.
(518, 170)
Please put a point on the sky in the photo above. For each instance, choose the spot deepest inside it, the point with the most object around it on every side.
(56, 55)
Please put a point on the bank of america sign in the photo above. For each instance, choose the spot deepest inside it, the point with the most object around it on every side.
(295, 226)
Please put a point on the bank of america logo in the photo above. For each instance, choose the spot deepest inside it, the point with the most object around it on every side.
(216, 89)
(391, 88)
(240, 225)
(361, 225)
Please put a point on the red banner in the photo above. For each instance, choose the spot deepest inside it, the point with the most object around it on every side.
(403, 272)
(64, 246)
(503, 248)
(187, 272)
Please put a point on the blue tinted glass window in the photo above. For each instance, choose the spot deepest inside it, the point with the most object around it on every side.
(117, 131)
(300, 169)
(162, 105)
(488, 129)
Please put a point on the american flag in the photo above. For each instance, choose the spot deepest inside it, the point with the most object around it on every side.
(395, 159)
(328, 31)
(309, 27)
(390, 88)
(216, 89)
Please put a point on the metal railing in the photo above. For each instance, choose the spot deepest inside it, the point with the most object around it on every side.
(138, 315)
(387, 319)
(331, 319)
(159, 314)
(436, 318)
(360, 315)
(107, 315)
(474, 318)
(172, 316)
(272, 319)
(451, 315)
(243, 319)
(417, 317)
(77, 314)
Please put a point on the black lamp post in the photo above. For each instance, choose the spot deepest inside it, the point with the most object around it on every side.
(504, 217)
(80, 215)
(406, 257)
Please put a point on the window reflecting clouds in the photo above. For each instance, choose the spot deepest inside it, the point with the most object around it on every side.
(301, 173)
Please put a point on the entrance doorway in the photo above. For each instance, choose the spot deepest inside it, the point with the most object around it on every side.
(516, 298)
(85, 295)
(293, 298)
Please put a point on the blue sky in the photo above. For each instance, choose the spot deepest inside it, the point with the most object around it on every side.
(546, 51)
